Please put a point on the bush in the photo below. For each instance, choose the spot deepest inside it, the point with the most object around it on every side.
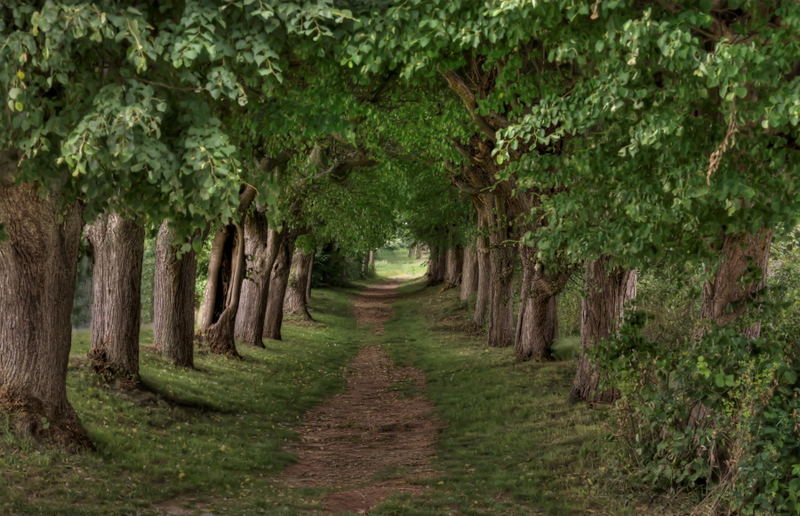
(712, 410)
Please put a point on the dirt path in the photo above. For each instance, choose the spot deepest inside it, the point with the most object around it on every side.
(377, 437)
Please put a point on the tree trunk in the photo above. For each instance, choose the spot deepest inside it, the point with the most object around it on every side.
(469, 274)
(602, 307)
(501, 277)
(310, 279)
(726, 296)
(226, 271)
(296, 301)
(418, 252)
(371, 264)
(38, 260)
(262, 244)
(483, 294)
(278, 281)
(118, 249)
(537, 323)
(454, 261)
(436, 264)
(174, 299)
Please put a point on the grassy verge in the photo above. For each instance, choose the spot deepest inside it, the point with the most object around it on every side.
(211, 438)
(510, 443)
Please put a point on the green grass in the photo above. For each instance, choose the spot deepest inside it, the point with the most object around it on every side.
(510, 443)
(395, 263)
(217, 442)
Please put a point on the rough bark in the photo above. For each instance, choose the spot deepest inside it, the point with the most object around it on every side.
(501, 277)
(38, 261)
(602, 306)
(226, 271)
(726, 296)
(537, 323)
(261, 246)
(454, 261)
(484, 285)
(279, 279)
(469, 274)
(118, 250)
(296, 301)
(174, 300)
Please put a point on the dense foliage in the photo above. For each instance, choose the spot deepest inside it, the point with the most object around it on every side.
(525, 140)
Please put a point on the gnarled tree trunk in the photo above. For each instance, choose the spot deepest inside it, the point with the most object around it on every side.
(602, 306)
(278, 281)
(296, 301)
(726, 296)
(537, 324)
(454, 261)
(262, 244)
(174, 299)
(38, 260)
(118, 249)
(469, 274)
(226, 271)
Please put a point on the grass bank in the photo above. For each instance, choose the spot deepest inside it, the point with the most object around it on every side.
(510, 443)
(210, 438)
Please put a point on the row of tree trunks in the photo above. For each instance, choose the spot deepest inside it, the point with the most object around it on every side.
(469, 274)
(226, 272)
(297, 290)
(38, 260)
(454, 261)
(262, 245)
(607, 291)
(278, 282)
(437, 265)
(118, 249)
(174, 299)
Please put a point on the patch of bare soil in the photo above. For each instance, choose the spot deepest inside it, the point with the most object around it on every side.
(373, 440)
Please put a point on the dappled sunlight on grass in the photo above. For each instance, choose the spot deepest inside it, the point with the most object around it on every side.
(395, 263)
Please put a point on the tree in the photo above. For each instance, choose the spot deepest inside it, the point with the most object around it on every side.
(118, 250)
(174, 299)
(131, 132)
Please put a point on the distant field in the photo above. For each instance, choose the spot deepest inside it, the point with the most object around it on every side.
(395, 263)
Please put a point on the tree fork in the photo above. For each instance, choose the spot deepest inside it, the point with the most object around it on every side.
(262, 245)
(226, 271)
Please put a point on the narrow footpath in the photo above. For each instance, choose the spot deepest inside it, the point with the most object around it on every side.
(377, 437)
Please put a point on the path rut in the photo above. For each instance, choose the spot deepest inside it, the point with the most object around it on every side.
(377, 437)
